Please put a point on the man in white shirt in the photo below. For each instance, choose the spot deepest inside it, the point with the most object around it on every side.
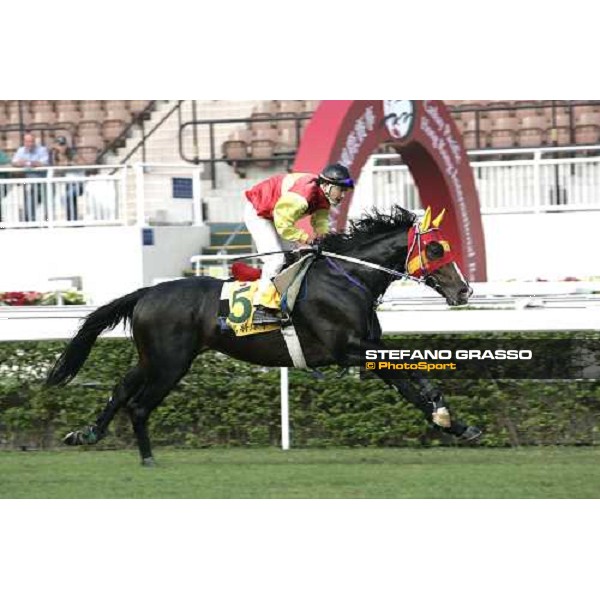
(31, 156)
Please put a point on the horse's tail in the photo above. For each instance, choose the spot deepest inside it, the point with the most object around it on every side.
(106, 317)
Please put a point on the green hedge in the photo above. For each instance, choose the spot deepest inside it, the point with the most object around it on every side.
(227, 402)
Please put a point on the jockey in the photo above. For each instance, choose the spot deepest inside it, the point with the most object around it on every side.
(272, 211)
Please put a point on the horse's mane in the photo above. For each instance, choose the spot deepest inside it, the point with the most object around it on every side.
(370, 224)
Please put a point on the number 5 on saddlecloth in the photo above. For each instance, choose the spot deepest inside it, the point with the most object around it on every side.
(246, 306)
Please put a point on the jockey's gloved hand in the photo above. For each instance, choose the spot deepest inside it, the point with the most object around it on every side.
(307, 248)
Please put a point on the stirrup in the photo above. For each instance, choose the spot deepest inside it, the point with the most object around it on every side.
(263, 316)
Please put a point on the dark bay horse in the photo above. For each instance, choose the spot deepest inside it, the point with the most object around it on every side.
(335, 321)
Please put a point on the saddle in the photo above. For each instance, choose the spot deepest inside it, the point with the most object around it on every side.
(289, 282)
(236, 307)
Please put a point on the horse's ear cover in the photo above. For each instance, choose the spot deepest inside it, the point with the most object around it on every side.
(431, 259)
(425, 223)
(438, 220)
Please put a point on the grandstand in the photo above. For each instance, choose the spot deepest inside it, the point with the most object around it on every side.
(90, 125)
(526, 123)
(100, 128)
(195, 157)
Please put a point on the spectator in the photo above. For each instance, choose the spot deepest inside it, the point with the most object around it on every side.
(31, 156)
(63, 155)
(4, 162)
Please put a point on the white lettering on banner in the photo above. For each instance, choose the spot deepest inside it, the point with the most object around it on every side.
(428, 130)
(359, 132)
(434, 112)
(370, 118)
(454, 145)
(357, 135)
(440, 135)
(352, 144)
(360, 128)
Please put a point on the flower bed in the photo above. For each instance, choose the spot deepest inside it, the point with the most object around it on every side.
(40, 299)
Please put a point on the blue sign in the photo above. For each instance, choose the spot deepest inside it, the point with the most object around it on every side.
(182, 188)
(147, 237)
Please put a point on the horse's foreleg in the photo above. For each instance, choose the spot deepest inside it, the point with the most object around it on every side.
(419, 391)
(428, 398)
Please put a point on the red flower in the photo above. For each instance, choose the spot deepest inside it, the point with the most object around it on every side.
(20, 298)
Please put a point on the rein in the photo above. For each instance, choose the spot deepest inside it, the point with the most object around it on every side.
(245, 256)
(393, 272)
(376, 267)
(358, 261)
(332, 264)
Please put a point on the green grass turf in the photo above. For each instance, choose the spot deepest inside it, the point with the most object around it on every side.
(555, 472)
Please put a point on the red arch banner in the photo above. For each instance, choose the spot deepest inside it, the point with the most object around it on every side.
(425, 135)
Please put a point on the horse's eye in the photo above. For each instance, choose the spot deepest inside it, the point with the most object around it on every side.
(434, 251)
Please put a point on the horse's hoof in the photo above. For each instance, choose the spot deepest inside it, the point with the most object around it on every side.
(87, 437)
(148, 462)
(470, 434)
(71, 439)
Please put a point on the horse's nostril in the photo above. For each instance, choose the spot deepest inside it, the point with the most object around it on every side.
(465, 292)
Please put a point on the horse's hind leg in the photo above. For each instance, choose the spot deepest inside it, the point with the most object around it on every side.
(122, 392)
(156, 388)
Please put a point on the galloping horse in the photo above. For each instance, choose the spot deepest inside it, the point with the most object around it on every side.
(335, 321)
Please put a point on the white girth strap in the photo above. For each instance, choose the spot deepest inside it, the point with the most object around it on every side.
(293, 345)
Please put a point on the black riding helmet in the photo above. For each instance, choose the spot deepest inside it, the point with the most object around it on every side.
(337, 174)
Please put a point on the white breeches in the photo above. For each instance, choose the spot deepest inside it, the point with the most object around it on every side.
(266, 239)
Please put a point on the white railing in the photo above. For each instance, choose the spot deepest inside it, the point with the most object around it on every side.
(219, 264)
(99, 195)
(539, 183)
(62, 196)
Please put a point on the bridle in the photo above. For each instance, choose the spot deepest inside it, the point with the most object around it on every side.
(423, 276)
(426, 278)
(416, 241)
